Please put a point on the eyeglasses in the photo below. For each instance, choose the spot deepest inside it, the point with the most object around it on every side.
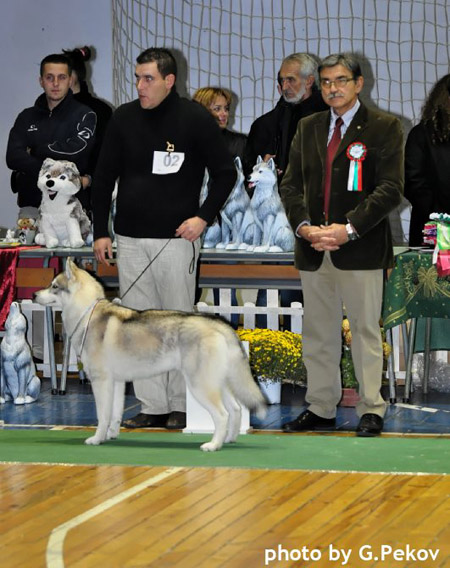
(339, 82)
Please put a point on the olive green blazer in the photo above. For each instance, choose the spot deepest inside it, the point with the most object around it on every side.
(382, 188)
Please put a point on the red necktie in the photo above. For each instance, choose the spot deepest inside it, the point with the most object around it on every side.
(331, 151)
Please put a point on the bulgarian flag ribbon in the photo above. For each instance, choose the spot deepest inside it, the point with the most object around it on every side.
(356, 152)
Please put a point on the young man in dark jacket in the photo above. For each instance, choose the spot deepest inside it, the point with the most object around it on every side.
(57, 127)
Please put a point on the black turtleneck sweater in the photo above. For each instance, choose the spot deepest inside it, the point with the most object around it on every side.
(152, 205)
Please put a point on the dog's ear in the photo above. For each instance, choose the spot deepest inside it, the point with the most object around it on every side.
(258, 160)
(47, 164)
(271, 164)
(71, 268)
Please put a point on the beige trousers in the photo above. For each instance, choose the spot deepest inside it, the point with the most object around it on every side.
(169, 283)
(325, 292)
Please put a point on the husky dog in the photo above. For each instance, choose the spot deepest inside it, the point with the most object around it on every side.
(277, 235)
(18, 381)
(117, 344)
(62, 220)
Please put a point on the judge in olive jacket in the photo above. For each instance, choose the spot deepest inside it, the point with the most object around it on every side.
(343, 240)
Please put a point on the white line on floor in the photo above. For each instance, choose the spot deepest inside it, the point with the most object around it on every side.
(55, 544)
(422, 408)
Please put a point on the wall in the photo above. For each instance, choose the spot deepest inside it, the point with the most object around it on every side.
(30, 30)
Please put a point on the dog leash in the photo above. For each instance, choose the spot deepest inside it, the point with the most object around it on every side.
(191, 270)
(90, 308)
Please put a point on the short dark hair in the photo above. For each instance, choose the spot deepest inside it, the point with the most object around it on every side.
(163, 58)
(348, 60)
(55, 58)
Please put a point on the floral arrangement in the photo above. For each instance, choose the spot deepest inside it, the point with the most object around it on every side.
(347, 369)
(275, 355)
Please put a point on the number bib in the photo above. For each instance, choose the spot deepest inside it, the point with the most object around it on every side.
(167, 162)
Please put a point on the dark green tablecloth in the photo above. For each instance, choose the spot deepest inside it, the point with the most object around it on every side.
(414, 290)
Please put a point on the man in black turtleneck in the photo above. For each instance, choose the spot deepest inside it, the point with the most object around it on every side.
(158, 147)
(271, 134)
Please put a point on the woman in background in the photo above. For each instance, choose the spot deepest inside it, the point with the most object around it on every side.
(427, 161)
(78, 57)
(217, 101)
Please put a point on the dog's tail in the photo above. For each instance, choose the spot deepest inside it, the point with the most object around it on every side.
(241, 382)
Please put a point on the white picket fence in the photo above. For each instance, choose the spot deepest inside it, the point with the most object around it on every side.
(249, 311)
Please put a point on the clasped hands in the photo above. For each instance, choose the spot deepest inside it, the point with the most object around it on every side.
(324, 237)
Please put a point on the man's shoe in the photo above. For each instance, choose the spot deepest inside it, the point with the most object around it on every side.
(146, 421)
(369, 425)
(176, 420)
(309, 421)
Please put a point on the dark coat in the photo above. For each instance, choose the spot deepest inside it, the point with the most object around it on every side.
(65, 133)
(427, 179)
(272, 133)
(368, 210)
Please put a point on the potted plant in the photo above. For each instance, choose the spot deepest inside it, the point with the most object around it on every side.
(275, 356)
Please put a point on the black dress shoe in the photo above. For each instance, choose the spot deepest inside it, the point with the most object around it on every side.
(142, 420)
(369, 425)
(176, 420)
(309, 421)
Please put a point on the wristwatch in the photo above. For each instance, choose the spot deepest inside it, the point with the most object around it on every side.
(351, 233)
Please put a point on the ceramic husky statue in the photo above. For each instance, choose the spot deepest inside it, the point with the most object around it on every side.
(18, 373)
(213, 234)
(237, 223)
(233, 211)
(63, 221)
(276, 233)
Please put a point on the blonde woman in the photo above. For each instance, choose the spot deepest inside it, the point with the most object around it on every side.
(218, 101)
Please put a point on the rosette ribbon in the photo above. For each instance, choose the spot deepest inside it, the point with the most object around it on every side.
(356, 152)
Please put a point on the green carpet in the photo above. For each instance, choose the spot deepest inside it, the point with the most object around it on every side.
(387, 454)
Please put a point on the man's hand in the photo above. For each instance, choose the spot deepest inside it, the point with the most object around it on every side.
(325, 237)
(103, 250)
(191, 229)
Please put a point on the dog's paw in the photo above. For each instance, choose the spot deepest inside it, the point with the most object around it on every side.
(76, 243)
(51, 242)
(112, 433)
(210, 447)
(231, 246)
(29, 399)
(19, 400)
(2, 400)
(230, 439)
(94, 441)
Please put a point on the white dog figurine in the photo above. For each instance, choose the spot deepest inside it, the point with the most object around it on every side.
(277, 235)
(63, 221)
(18, 373)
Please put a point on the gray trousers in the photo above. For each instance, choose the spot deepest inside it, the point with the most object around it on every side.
(169, 283)
(325, 291)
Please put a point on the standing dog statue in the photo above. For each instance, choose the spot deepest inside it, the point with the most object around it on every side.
(276, 233)
(18, 380)
(117, 344)
(63, 221)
